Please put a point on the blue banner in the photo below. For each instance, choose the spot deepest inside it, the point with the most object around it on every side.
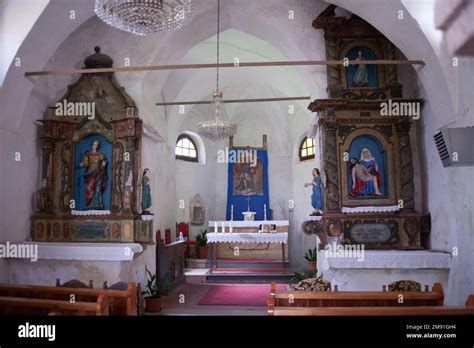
(248, 184)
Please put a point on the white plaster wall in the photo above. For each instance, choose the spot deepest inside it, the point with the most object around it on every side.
(373, 279)
(448, 193)
(14, 27)
(449, 196)
(45, 272)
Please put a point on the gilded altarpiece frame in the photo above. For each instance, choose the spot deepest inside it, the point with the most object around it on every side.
(353, 112)
(116, 123)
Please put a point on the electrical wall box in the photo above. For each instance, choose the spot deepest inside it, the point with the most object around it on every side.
(456, 146)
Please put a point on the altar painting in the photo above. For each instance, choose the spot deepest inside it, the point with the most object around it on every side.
(248, 187)
(366, 169)
(248, 178)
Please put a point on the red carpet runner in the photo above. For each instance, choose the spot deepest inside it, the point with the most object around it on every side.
(238, 295)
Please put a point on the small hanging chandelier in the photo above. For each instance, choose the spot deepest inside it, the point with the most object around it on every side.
(145, 17)
(218, 126)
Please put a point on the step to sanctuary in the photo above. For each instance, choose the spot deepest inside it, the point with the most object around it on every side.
(249, 276)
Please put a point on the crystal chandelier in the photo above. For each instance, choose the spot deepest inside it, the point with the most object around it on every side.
(218, 126)
(145, 17)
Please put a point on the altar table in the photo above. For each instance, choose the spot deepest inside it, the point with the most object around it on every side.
(252, 238)
(249, 251)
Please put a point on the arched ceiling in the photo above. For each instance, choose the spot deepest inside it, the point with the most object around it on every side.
(246, 83)
(67, 42)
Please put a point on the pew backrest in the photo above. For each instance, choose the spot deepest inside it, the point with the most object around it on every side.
(357, 298)
(122, 302)
(372, 311)
(10, 305)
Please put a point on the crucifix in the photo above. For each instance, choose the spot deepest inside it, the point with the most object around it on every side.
(249, 215)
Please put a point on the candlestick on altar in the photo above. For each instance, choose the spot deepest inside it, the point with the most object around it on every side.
(265, 212)
(232, 213)
(230, 227)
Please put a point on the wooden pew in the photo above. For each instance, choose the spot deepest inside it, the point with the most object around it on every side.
(122, 302)
(33, 306)
(357, 298)
(372, 311)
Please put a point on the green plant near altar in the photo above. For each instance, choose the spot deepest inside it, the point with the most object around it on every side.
(299, 276)
(311, 255)
(156, 288)
(201, 239)
(201, 245)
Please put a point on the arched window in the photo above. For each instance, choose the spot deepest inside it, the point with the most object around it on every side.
(307, 149)
(186, 149)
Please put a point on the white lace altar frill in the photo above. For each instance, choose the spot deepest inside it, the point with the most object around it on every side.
(251, 238)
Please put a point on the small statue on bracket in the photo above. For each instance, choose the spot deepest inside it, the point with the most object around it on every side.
(316, 200)
(146, 193)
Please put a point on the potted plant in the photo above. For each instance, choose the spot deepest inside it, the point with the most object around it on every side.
(155, 290)
(299, 276)
(311, 256)
(201, 245)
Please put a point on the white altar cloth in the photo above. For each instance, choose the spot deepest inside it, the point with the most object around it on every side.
(87, 251)
(380, 209)
(250, 223)
(257, 238)
(388, 259)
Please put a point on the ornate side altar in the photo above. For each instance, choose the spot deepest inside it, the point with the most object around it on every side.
(368, 195)
(91, 148)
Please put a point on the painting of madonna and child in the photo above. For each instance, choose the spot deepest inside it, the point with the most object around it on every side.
(367, 175)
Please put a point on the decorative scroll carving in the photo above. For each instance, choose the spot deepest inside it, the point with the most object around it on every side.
(364, 95)
(386, 130)
(412, 230)
(344, 130)
(315, 228)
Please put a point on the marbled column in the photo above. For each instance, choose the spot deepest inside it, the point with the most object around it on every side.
(117, 189)
(407, 191)
(391, 71)
(66, 177)
(333, 71)
(331, 192)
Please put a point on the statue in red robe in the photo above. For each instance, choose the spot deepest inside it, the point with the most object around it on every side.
(95, 176)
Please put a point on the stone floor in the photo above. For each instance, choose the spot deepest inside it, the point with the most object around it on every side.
(192, 294)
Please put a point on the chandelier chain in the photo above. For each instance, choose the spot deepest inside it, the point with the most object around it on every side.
(218, 38)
